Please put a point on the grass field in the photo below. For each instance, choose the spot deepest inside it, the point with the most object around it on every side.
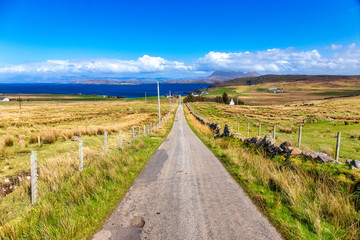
(293, 91)
(303, 199)
(318, 134)
(57, 122)
(66, 196)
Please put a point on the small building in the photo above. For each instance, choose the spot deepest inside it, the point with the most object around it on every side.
(232, 102)
(274, 90)
(195, 94)
(5, 99)
(204, 92)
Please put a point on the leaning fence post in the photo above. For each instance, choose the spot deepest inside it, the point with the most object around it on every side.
(238, 128)
(299, 139)
(259, 129)
(274, 132)
(337, 146)
(81, 156)
(247, 131)
(105, 142)
(120, 139)
(34, 191)
(139, 131)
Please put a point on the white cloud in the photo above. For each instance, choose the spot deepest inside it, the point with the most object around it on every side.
(336, 47)
(345, 60)
(288, 61)
(101, 66)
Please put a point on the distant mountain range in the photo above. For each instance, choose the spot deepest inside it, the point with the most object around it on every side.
(221, 75)
(271, 78)
(215, 77)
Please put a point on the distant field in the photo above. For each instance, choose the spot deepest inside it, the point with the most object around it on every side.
(293, 91)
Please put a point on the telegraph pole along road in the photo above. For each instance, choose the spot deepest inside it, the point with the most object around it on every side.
(184, 192)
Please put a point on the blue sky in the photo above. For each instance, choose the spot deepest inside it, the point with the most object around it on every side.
(178, 38)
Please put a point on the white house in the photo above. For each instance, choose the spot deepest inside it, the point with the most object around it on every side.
(5, 100)
(232, 102)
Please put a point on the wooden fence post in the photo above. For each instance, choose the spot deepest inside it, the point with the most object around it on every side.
(81, 156)
(259, 129)
(247, 131)
(238, 128)
(105, 142)
(337, 146)
(39, 141)
(299, 139)
(139, 131)
(274, 132)
(34, 190)
(133, 133)
(120, 139)
(144, 131)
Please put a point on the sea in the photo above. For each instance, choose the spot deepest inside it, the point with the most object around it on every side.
(126, 90)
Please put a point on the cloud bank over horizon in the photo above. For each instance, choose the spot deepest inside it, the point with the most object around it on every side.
(334, 59)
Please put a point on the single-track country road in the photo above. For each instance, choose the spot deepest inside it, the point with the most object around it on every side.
(185, 192)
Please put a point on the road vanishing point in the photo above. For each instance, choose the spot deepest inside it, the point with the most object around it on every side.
(185, 192)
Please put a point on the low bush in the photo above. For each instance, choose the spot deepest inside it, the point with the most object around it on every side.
(8, 140)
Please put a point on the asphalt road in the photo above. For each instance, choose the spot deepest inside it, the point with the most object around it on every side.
(184, 192)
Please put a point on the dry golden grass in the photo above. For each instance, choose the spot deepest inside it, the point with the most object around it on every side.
(328, 150)
(33, 138)
(8, 140)
(57, 122)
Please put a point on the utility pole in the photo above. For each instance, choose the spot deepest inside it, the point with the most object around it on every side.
(19, 104)
(159, 101)
(170, 101)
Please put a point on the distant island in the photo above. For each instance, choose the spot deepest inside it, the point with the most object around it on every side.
(102, 81)
(215, 77)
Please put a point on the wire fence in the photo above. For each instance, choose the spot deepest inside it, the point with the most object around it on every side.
(337, 142)
(80, 154)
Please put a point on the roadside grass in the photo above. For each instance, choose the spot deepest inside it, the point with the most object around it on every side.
(72, 204)
(303, 199)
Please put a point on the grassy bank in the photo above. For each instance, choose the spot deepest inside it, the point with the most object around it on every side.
(72, 204)
(303, 199)
(318, 133)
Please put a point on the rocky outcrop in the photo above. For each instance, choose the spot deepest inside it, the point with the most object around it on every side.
(215, 127)
(353, 163)
(11, 183)
(227, 131)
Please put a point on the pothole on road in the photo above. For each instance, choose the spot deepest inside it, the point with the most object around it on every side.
(138, 222)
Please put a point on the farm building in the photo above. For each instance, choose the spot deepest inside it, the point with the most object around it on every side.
(274, 90)
(5, 99)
